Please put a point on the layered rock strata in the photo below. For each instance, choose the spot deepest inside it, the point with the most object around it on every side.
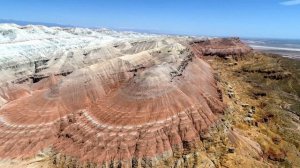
(133, 96)
(220, 47)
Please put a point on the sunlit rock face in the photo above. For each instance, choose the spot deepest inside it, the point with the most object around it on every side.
(100, 95)
(220, 47)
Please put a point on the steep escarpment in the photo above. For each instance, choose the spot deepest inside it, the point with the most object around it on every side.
(220, 47)
(73, 97)
(128, 101)
(261, 92)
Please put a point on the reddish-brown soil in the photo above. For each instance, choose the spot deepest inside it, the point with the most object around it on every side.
(119, 109)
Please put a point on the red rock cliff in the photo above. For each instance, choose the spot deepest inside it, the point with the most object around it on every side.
(220, 47)
(140, 104)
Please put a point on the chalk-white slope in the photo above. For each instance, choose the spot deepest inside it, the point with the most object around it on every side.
(24, 48)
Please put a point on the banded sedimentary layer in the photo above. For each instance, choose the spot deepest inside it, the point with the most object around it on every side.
(101, 96)
(220, 47)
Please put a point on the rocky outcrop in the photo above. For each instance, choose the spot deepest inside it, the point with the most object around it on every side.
(124, 104)
(220, 47)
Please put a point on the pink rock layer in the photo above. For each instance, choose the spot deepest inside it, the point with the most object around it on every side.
(220, 47)
(114, 110)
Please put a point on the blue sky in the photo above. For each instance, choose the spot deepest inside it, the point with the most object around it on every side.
(244, 18)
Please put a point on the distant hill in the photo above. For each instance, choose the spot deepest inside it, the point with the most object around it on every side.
(23, 23)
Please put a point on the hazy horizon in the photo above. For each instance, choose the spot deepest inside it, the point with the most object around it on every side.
(275, 19)
(24, 23)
